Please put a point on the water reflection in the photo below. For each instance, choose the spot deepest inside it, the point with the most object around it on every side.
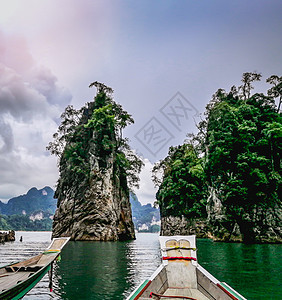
(253, 270)
(105, 270)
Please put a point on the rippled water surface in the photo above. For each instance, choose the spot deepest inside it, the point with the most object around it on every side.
(111, 270)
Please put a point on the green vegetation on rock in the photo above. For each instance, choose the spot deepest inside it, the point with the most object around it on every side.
(97, 169)
(94, 131)
(231, 170)
(182, 190)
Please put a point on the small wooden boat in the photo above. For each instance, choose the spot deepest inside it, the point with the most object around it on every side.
(181, 277)
(19, 278)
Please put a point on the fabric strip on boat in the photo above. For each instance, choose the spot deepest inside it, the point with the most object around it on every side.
(179, 258)
(51, 251)
(179, 247)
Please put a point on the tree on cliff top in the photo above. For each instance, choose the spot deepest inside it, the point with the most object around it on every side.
(243, 160)
(95, 130)
(237, 153)
(182, 189)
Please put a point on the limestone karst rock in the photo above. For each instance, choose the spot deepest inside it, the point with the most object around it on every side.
(96, 167)
(255, 226)
(221, 227)
(102, 213)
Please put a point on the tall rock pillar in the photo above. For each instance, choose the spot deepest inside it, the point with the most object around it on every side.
(92, 191)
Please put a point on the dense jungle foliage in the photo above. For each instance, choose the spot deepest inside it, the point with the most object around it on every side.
(183, 188)
(94, 133)
(23, 222)
(237, 151)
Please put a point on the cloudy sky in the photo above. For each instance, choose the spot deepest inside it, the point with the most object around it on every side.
(163, 58)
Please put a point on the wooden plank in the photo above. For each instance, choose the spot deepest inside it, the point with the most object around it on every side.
(231, 291)
(207, 285)
(184, 244)
(11, 280)
(198, 295)
(186, 292)
(58, 243)
(21, 271)
(46, 259)
(27, 262)
(172, 252)
(140, 290)
(181, 274)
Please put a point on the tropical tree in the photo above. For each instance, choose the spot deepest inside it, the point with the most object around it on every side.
(243, 161)
(182, 183)
(94, 133)
(235, 157)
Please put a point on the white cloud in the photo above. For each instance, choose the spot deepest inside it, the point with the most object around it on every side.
(31, 102)
(147, 191)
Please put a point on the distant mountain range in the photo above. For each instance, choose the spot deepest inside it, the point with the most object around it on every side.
(34, 211)
(35, 200)
(145, 217)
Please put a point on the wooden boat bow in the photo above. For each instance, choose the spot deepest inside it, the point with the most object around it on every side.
(18, 278)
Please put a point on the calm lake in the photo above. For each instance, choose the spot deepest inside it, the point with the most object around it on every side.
(111, 270)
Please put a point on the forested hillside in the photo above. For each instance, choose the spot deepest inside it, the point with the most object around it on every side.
(33, 200)
(146, 215)
(31, 211)
(229, 173)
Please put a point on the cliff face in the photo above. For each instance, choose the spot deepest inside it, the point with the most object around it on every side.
(176, 225)
(101, 213)
(258, 225)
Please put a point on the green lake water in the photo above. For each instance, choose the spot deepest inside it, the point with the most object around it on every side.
(111, 270)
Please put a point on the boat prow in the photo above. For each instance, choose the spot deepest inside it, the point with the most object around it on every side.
(17, 279)
(181, 277)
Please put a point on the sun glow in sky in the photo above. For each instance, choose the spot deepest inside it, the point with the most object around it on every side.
(147, 51)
